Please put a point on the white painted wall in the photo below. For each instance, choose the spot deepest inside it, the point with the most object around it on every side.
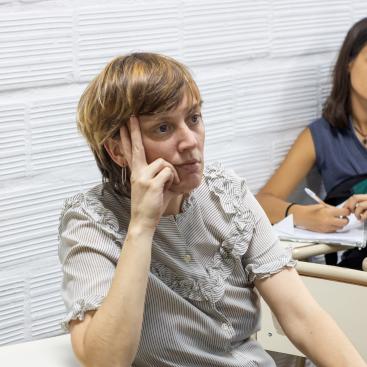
(262, 67)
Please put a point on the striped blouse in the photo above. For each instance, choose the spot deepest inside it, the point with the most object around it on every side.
(201, 308)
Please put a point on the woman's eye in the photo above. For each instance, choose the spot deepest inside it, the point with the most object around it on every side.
(162, 128)
(195, 119)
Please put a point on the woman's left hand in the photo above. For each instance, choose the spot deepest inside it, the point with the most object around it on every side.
(357, 204)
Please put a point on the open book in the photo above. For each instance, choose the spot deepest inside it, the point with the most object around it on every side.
(353, 234)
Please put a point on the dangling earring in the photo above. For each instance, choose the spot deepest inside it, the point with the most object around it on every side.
(123, 175)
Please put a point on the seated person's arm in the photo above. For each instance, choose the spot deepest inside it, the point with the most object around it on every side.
(110, 335)
(78, 330)
(295, 167)
(305, 323)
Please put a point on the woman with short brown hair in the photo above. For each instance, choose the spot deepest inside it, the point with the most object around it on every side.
(160, 264)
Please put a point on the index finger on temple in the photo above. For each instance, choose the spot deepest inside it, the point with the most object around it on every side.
(137, 147)
(126, 143)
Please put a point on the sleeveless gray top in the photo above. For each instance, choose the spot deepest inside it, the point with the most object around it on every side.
(339, 153)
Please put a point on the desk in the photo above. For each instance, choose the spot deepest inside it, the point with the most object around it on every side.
(341, 292)
(301, 250)
(50, 352)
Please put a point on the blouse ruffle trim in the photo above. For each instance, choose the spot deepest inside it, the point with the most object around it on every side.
(186, 287)
(231, 199)
(267, 270)
(79, 309)
(231, 250)
(94, 209)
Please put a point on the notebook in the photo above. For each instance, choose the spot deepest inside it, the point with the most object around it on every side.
(353, 234)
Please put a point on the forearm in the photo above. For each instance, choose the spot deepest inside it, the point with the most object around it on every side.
(305, 216)
(309, 328)
(273, 206)
(317, 335)
(113, 334)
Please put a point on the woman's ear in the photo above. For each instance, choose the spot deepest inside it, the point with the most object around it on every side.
(114, 150)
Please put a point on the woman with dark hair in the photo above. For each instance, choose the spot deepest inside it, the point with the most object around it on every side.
(160, 261)
(336, 144)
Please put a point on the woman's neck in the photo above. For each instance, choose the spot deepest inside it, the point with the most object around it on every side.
(359, 112)
(174, 206)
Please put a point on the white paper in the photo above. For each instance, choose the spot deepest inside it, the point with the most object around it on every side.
(286, 225)
(352, 234)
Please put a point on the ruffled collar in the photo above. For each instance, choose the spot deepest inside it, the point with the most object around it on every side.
(220, 183)
(214, 176)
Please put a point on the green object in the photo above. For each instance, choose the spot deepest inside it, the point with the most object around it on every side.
(360, 187)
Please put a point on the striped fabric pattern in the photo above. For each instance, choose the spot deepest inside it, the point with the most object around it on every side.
(201, 308)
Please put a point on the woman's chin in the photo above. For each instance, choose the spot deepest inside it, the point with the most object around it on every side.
(186, 186)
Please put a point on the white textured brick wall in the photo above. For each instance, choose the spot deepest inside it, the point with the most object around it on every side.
(263, 68)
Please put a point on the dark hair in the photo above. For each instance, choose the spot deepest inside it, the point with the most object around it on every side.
(337, 107)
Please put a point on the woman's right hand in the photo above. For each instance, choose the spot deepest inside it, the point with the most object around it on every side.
(321, 218)
(150, 183)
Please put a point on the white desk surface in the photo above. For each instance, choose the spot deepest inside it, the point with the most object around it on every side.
(50, 352)
(303, 250)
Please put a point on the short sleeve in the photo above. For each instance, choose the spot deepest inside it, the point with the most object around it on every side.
(89, 248)
(265, 255)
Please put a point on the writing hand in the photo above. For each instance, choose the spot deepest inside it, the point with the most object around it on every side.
(325, 218)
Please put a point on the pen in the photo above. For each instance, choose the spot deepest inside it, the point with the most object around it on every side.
(313, 196)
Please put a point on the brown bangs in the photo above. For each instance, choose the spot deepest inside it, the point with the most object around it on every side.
(160, 86)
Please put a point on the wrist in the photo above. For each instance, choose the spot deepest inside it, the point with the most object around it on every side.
(288, 209)
(302, 215)
(298, 212)
(139, 229)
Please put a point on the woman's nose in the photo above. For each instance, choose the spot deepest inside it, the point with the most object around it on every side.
(186, 139)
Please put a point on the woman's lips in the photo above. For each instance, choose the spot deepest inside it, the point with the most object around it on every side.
(192, 167)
